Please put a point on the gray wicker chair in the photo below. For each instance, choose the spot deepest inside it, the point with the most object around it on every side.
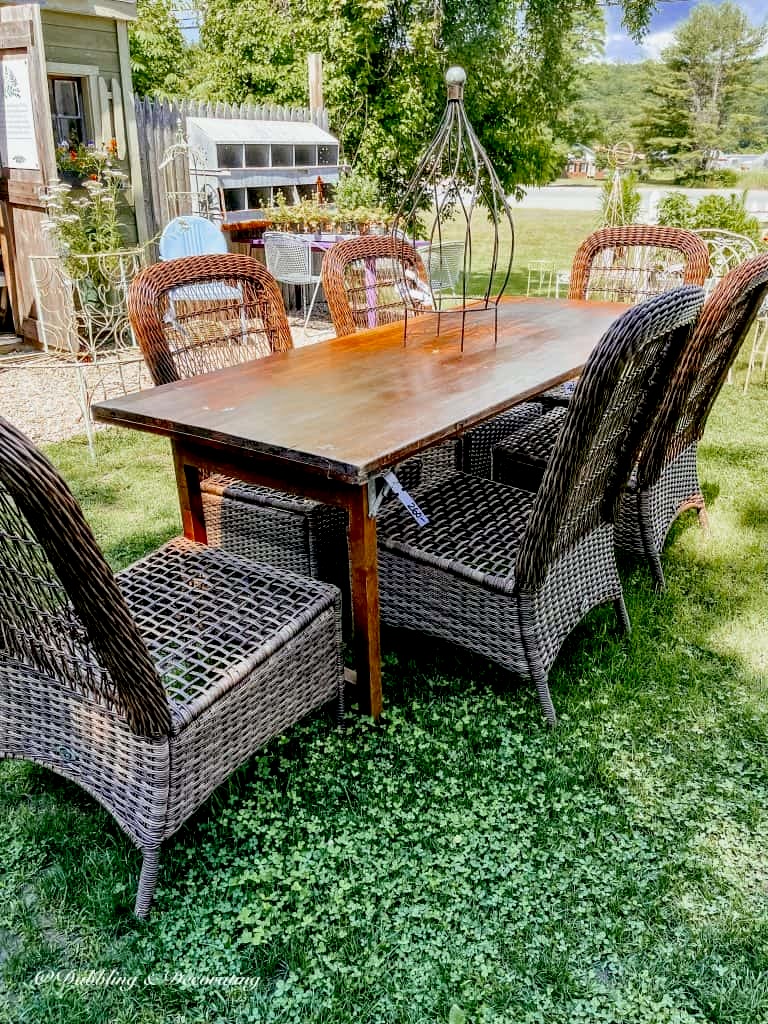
(664, 483)
(202, 313)
(147, 689)
(509, 573)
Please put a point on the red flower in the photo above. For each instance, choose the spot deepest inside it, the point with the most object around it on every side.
(72, 155)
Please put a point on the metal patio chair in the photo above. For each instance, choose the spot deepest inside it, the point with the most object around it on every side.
(149, 688)
(664, 483)
(509, 573)
(231, 311)
(289, 260)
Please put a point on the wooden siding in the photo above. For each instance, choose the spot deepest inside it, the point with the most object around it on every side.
(74, 39)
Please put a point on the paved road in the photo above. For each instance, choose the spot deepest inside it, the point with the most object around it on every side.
(587, 198)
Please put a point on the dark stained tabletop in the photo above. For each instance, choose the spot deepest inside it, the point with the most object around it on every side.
(350, 406)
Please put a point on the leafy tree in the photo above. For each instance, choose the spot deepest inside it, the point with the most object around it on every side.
(701, 97)
(160, 59)
(384, 62)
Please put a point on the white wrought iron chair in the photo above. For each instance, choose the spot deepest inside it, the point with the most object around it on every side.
(289, 260)
(444, 262)
(759, 344)
(728, 249)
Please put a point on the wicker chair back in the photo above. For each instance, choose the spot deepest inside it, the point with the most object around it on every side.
(61, 611)
(727, 317)
(618, 392)
(634, 262)
(371, 279)
(202, 313)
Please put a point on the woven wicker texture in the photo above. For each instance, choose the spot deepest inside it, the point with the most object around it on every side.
(509, 573)
(632, 263)
(202, 313)
(365, 281)
(664, 483)
(147, 689)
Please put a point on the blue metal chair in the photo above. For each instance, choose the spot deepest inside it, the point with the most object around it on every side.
(191, 236)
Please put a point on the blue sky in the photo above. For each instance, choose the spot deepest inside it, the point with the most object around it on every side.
(620, 47)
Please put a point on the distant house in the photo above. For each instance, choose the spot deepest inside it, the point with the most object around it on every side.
(582, 163)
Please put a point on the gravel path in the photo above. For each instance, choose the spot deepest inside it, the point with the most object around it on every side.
(42, 398)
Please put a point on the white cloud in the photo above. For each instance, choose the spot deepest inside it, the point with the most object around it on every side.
(655, 42)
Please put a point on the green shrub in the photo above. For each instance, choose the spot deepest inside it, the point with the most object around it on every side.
(728, 213)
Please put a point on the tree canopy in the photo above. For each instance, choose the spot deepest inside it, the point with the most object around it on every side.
(160, 60)
(383, 67)
(701, 97)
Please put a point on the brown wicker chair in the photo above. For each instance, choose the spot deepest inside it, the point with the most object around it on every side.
(508, 573)
(147, 689)
(202, 313)
(664, 483)
(364, 280)
(630, 264)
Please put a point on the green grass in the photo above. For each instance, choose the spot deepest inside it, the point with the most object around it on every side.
(614, 871)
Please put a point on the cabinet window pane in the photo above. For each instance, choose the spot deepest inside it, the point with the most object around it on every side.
(327, 156)
(282, 156)
(229, 155)
(257, 155)
(306, 156)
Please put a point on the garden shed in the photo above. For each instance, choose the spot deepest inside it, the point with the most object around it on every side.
(251, 161)
(66, 77)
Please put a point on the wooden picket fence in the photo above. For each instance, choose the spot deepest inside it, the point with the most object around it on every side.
(157, 123)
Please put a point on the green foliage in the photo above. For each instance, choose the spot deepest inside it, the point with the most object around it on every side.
(85, 222)
(458, 855)
(728, 213)
(160, 59)
(384, 65)
(613, 214)
(356, 189)
(610, 96)
(701, 97)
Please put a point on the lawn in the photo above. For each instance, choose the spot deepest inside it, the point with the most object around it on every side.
(459, 862)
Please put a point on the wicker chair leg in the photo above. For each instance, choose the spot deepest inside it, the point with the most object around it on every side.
(701, 511)
(621, 611)
(147, 881)
(541, 681)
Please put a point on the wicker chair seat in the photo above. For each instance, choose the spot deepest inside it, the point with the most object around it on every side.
(560, 395)
(209, 620)
(478, 442)
(455, 579)
(521, 458)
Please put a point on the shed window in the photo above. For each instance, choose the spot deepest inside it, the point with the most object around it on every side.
(282, 156)
(306, 156)
(327, 156)
(258, 197)
(257, 155)
(234, 199)
(67, 110)
(229, 155)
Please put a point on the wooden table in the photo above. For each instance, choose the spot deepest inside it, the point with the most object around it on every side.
(325, 420)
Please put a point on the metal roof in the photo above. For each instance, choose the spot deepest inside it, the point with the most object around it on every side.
(219, 129)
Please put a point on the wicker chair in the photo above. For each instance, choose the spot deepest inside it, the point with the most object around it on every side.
(664, 483)
(630, 264)
(147, 689)
(364, 281)
(199, 314)
(509, 573)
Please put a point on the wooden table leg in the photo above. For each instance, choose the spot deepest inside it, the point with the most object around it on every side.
(365, 602)
(190, 499)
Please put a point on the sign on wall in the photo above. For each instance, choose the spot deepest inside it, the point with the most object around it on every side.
(18, 147)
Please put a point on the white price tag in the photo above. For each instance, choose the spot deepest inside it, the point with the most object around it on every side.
(405, 499)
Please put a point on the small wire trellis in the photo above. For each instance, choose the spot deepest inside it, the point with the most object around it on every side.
(468, 244)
